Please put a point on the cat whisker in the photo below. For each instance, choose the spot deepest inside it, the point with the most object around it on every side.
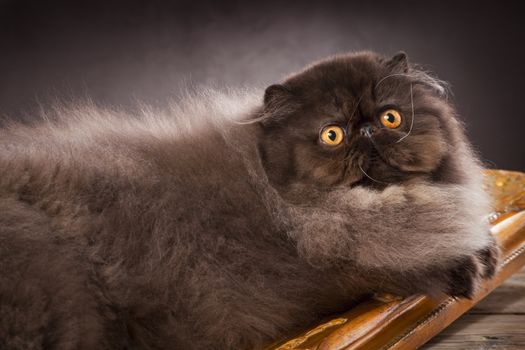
(411, 101)
(412, 121)
(371, 178)
(391, 75)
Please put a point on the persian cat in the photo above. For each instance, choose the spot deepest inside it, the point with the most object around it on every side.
(231, 220)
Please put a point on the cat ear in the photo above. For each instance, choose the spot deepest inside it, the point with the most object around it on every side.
(398, 63)
(276, 92)
(279, 101)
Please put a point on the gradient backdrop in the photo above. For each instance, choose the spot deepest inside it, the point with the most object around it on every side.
(117, 52)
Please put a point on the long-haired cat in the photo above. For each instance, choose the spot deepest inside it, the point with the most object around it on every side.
(234, 219)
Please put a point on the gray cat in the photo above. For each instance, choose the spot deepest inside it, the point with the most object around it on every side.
(231, 221)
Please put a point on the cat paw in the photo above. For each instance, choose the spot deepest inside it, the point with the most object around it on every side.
(488, 258)
(464, 277)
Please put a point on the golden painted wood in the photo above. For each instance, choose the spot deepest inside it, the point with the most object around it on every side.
(390, 323)
(508, 192)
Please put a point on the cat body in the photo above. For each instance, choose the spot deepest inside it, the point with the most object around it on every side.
(221, 224)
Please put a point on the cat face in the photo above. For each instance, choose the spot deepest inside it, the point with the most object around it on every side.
(355, 119)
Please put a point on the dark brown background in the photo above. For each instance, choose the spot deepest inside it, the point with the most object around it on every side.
(119, 51)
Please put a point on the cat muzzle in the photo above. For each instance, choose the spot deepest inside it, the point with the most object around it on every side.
(367, 130)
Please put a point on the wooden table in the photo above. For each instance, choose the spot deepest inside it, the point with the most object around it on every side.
(497, 322)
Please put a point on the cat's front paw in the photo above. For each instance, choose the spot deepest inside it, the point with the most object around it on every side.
(464, 277)
(488, 258)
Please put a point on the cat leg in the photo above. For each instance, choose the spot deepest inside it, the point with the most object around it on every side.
(404, 238)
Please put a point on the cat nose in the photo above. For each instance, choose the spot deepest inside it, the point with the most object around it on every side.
(367, 130)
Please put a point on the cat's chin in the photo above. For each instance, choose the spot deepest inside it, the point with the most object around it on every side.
(366, 182)
(379, 183)
(378, 178)
(351, 177)
(365, 173)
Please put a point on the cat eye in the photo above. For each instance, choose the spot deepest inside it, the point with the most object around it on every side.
(390, 118)
(332, 135)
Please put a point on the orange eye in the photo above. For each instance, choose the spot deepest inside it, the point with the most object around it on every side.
(332, 135)
(390, 118)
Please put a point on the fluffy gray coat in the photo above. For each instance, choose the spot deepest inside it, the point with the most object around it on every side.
(223, 223)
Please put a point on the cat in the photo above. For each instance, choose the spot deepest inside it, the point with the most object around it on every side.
(234, 219)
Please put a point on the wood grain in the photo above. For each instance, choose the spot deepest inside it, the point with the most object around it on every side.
(497, 322)
(482, 332)
(509, 298)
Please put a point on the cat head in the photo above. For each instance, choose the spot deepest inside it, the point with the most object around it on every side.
(357, 118)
